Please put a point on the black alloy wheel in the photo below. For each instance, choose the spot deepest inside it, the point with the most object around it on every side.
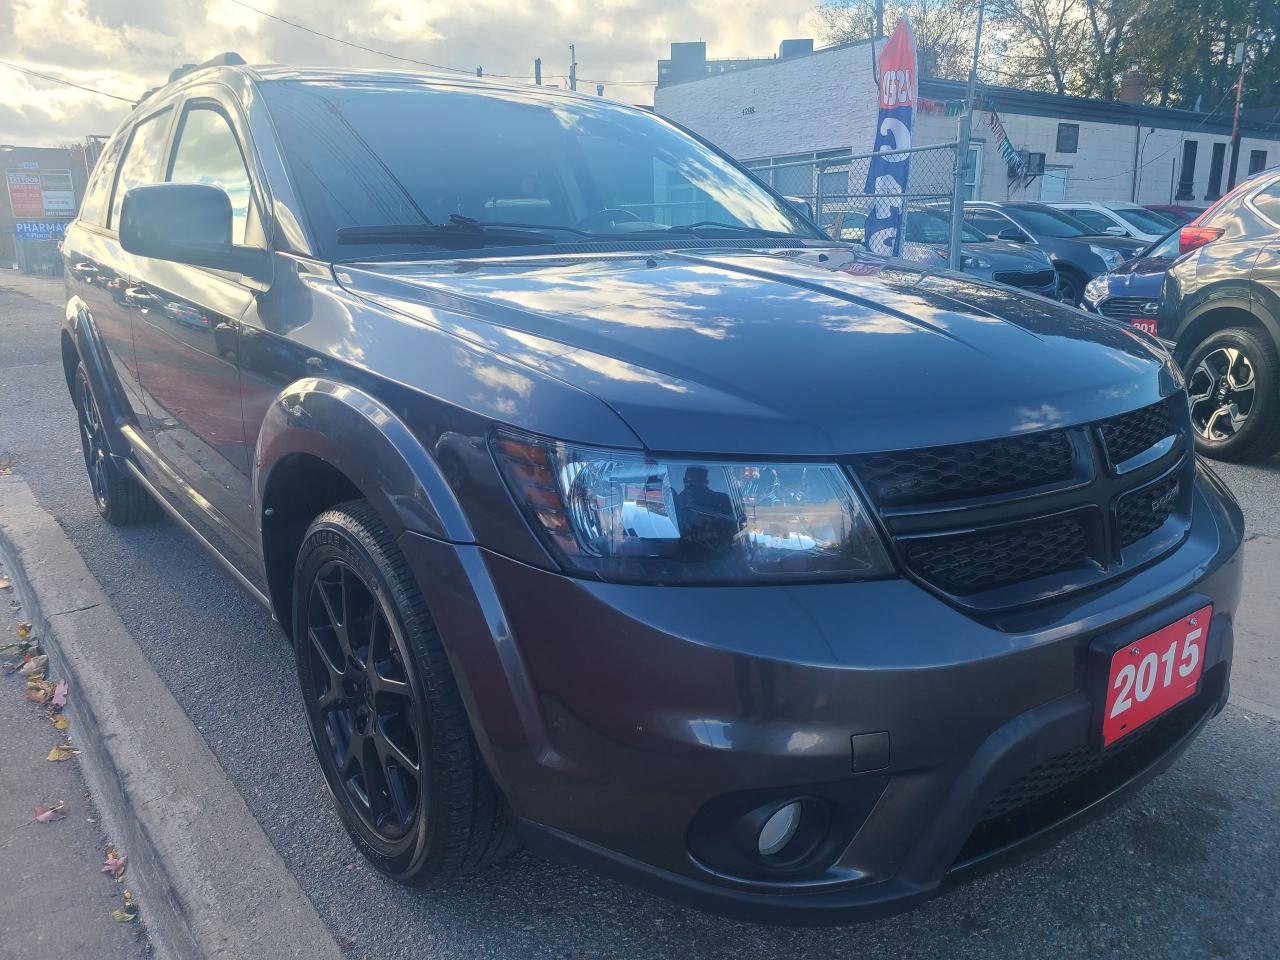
(1233, 387)
(119, 498)
(385, 716)
(1070, 288)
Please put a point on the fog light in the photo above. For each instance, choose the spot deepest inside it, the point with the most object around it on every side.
(779, 830)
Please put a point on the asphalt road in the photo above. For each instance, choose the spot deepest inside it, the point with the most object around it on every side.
(1191, 868)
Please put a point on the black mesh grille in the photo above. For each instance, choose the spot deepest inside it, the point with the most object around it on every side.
(1129, 434)
(1144, 511)
(1016, 278)
(1124, 308)
(971, 563)
(966, 470)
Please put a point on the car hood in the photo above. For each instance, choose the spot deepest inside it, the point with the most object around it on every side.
(1125, 245)
(811, 351)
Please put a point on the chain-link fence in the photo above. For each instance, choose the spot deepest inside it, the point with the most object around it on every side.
(835, 188)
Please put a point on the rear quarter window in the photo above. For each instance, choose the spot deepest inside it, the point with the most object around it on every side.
(93, 209)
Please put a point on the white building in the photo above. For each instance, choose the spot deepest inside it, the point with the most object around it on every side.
(824, 104)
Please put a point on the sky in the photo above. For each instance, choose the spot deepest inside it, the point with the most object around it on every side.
(125, 47)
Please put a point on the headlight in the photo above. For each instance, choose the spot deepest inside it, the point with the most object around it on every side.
(977, 263)
(618, 515)
(1095, 289)
(1111, 258)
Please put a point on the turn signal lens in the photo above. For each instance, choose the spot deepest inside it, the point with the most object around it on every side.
(1193, 238)
(621, 516)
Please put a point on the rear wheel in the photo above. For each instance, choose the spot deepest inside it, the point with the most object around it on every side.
(1233, 381)
(386, 719)
(119, 498)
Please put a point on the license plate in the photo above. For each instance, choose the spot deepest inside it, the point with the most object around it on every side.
(1153, 674)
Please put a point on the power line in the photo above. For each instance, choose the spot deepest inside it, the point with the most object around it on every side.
(66, 83)
(424, 63)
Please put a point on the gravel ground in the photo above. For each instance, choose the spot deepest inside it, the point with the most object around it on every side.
(1191, 868)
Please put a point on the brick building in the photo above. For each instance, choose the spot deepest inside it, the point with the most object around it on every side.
(823, 103)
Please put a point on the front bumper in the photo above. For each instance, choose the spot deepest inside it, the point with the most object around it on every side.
(627, 725)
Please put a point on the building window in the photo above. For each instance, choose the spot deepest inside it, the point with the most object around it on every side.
(1068, 137)
(1215, 171)
(1186, 180)
(1257, 161)
(973, 173)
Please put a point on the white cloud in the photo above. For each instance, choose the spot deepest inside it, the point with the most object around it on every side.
(128, 46)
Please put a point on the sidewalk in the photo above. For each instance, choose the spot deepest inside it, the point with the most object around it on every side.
(55, 901)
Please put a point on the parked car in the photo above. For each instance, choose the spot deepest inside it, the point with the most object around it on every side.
(1119, 219)
(1078, 253)
(657, 530)
(1178, 213)
(1131, 292)
(926, 241)
(1221, 304)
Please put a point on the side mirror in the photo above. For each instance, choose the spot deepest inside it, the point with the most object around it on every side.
(1012, 235)
(186, 223)
(1117, 232)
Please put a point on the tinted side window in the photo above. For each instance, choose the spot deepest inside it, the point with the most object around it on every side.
(93, 209)
(987, 222)
(1268, 201)
(207, 152)
(141, 160)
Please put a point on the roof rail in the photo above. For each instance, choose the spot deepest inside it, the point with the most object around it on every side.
(228, 59)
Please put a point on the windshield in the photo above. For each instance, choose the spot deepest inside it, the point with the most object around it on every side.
(1144, 220)
(387, 153)
(1166, 247)
(933, 229)
(1095, 220)
(1050, 222)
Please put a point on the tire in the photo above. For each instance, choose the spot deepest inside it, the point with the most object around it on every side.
(1233, 381)
(1070, 287)
(393, 705)
(120, 499)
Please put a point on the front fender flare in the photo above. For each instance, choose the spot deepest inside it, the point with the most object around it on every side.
(102, 376)
(364, 439)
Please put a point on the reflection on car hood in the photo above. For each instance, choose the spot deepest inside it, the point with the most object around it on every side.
(1003, 253)
(812, 351)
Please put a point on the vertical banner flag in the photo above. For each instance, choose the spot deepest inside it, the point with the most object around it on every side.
(887, 175)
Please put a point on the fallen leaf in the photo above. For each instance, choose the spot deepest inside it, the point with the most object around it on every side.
(39, 691)
(8, 667)
(59, 699)
(34, 666)
(50, 814)
(5, 583)
(24, 630)
(59, 721)
(128, 912)
(63, 751)
(114, 865)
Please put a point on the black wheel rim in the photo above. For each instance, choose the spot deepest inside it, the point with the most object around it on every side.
(93, 441)
(362, 701)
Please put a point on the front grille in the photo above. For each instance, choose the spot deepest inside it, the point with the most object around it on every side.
(967, 470)
(1145, 511)
(967, 564)
(1124, 308)
(1130, 434)
(1016, 278)
(974, 520)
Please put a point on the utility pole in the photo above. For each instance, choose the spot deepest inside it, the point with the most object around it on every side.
(1235, 124)
(964, 128)
(599, 89)
(879, 31)
(573, 68)
(479, 71)
(537, 71)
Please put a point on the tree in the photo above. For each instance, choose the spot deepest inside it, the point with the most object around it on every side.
(943, 29)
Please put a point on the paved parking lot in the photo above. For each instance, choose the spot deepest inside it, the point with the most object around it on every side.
(1190, 869)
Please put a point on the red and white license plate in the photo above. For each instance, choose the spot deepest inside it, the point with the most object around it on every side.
(1153, 674)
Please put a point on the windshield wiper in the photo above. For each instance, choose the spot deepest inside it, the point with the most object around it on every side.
(459, 233)
(693, 228)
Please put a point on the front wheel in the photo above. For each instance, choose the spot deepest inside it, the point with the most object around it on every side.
(120, 499)
(1070, 288)
(1233, 382)
(385, 716)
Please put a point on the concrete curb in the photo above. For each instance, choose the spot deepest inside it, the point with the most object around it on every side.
(210, 883)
